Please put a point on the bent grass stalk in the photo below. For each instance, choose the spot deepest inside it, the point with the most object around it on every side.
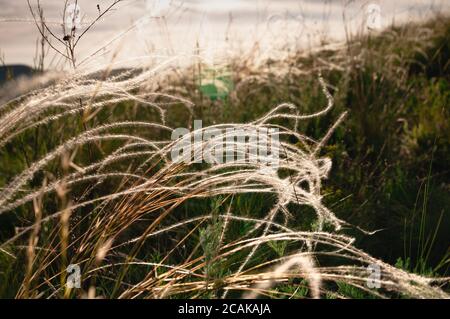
(147, 191)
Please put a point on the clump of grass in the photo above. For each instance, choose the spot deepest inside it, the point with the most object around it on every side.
(111, 200)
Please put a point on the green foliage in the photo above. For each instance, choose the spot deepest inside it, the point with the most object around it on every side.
(210, 241)
(390, 158)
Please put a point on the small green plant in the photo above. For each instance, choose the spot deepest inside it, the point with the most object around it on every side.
(210, 240)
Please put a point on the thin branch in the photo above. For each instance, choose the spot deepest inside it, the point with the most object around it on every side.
(95, 21)
(42, 31)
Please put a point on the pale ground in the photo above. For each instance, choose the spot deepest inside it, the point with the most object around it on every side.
(211, 23)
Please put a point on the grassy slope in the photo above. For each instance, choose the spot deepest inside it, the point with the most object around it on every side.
(390, 157)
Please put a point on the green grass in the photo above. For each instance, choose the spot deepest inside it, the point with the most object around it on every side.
(390, 157)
